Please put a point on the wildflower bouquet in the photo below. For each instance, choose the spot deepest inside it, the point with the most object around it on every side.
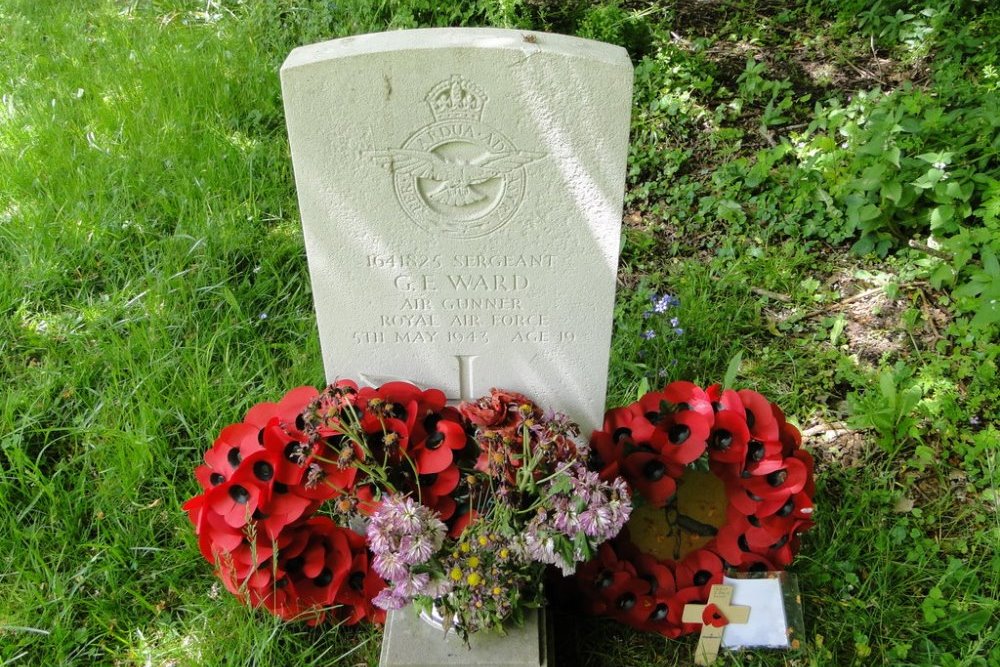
(465, 507)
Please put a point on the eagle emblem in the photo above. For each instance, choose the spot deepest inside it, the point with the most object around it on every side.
(458, 179)
(457, 175)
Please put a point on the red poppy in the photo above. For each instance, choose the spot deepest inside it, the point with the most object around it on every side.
(288, 410)
(732, 542)
(760, 533)
(763, 457)
(659, 574)
(758, 415)
(215, 536)
(436, 490)
(701, 568)
(247, 558)
(687, 395)
(758, 563)
(400, 400)
(686, 436)
(607, 579)
(435, 452)
(605, 455)
(684, 597)
(807, 460)
(292, 451)
(354, 599)
(318, 565)
(460, 521)
(284, 507)
(790, 478)
(790, 437)
(630, 601)
(500, 410)
(724, 399)
(235, 443)
(651, 476)
(729, 438)
(236, 500)
(607, 446)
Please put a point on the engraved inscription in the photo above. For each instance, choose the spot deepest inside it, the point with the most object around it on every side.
(457, 176)
(466, 309)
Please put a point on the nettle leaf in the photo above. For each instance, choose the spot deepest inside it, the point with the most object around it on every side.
(942, 217)
(929, 179)
(990, 262)
(892, 155)
(892, 191)
(864, 245)
(959, 191)
(987, 315)
(942, 275)
(934, 158)
(871, 177)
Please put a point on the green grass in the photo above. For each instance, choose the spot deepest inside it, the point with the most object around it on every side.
(154, 286)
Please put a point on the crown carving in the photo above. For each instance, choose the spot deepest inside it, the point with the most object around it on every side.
(457, 98)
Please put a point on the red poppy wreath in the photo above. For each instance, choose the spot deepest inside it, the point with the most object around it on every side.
(680, 540)
(463, 507)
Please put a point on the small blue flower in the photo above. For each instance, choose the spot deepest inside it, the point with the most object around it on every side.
(974, 420)
(648, 333)
(675, 322)
(662, 303)
(648, 314)
(679, 331)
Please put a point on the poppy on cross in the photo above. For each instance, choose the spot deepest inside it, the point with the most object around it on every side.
(714, 617)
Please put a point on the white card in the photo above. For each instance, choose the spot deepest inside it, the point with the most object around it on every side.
(767, 626)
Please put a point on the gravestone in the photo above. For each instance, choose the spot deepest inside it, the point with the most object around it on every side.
(461, 198)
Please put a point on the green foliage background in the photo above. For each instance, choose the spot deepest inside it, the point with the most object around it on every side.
(790, 163)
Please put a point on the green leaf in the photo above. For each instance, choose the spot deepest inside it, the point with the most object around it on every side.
(732, 370)
(987, 315)
(928, 180)
(941, 216)
(868, 212)
(892, 155)
(942, 275)
(932, 158)
(864, 245)
(892, 191)
(990, 263)
(643, 387)
(888, 386)
(837, 328)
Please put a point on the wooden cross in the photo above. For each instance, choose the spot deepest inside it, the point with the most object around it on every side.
(714, 617)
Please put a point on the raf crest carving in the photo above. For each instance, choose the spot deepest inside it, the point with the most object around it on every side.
(457, 176)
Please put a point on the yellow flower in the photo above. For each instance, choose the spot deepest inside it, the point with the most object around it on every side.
(455, 574)
(464, 547)
(483, 541)
(497, 590)
(474, 561)
(504, 552)
(474, 579)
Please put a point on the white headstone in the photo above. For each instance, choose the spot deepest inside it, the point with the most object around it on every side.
(461, 198)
